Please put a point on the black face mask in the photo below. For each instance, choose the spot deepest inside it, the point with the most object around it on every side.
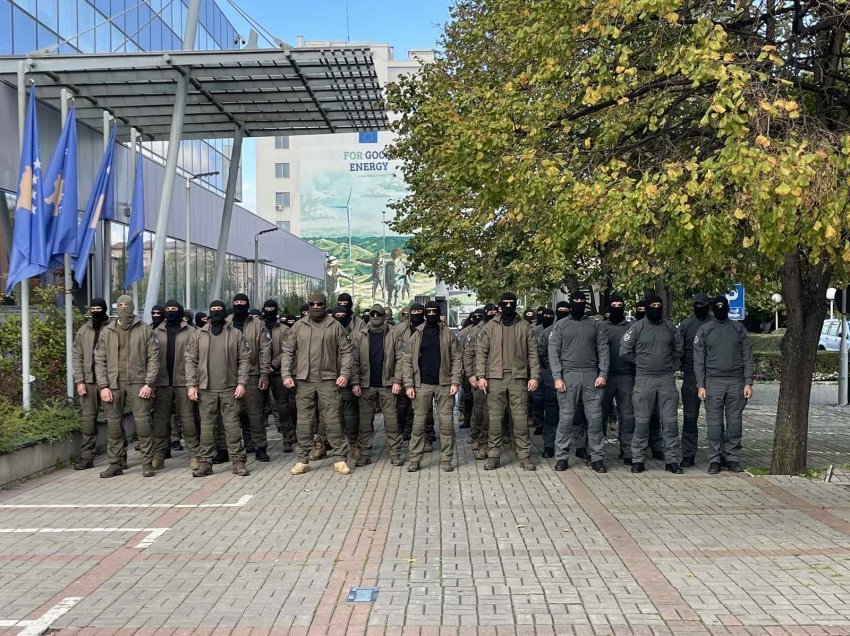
(475, 319)
(577, 309)
(655, 314)
(432, 319)
(529, 318)
(270, 316)
(417, 319)
(617, 315)
(720, 310)
(701, 311)
(508, 311)
(99, 318)
(547, 320)
(344, 320)
(173, 318)
(240, 312)
(217, 317)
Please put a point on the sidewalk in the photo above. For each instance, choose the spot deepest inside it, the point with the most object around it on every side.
(468, 552)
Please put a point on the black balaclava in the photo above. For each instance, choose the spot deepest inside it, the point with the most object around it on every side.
(508, 306)
(188, 316)
(342, 315)
(476, 316)
(616, 315)
(289, 320)
(547, 317)
(539, 313)
(256, 312)
(344, 300)
(156, 320)
(702, 305)
(432, 320)
(578, 305)
(418, 318)
(270, 311)
(240, 312)
(317, 311)
(173, 318)
(640, 309)
(305, 309)
(99, 318)
(529, 316)
(720, 307)
(217, 317)
(201, 319)
(654, 314)
(490, 310)
(562, 310)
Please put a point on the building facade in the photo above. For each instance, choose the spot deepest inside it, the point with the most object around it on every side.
(287, 266)
(334, 191)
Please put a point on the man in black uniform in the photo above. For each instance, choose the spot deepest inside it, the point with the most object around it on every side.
(690, 401)
(723, 364)
(621, 378)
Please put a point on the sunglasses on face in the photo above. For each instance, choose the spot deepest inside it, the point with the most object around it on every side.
(153, 313)
(317, 304)
(375, 314)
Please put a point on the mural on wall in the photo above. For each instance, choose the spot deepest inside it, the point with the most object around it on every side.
(346, 185)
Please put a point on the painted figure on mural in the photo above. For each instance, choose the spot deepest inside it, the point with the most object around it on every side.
(334, 273)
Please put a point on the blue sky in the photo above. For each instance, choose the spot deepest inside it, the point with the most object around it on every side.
(404, 24)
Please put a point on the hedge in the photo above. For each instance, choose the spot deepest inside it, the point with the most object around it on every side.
(768, 366)
(766, 343)
(50, 421)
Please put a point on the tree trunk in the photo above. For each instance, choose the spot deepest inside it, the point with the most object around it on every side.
(804, 291)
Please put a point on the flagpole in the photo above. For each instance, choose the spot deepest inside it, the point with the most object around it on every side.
(69, 284)
(134, 136)
(25, 284)
(107, 226)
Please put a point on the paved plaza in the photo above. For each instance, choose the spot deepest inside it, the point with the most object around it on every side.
(469, 552)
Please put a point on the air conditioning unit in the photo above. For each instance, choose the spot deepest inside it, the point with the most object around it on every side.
(278, 207)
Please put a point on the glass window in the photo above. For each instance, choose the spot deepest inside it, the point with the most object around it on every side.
(101, 36)
(86, 22)
(118, 258)
(24, 26)
(103, 7)
(46, 37)
(281, 170)
(285, 225)
(118, 38)
(5, 30)
(48, 15)
(156, 35)
(282, 199)
(68, 20)
(833, 328)
(119, 19)
(281, 142)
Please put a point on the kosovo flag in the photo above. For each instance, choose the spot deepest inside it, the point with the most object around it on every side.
(30, 254)
(60, 202)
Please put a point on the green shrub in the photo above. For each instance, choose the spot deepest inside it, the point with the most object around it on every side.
(768, 366)
(49, 421)
(765, 343)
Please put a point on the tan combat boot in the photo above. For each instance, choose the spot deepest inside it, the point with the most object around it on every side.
(202, 469)
(112, 471)
(300, 468)
(342, 468)
(239, 468)
(194, 463)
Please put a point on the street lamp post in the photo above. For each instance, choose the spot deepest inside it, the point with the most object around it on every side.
(257, 236)
(187, 301)
(777, 300)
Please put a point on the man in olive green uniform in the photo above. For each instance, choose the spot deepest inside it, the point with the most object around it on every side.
(349, 406)
(126, 366)
(260, 347)
(85, 380)
(507, 367)
(217, 373)
(432, 367)
(377, 382)
(279, 393)
(317, 356)
(174, 335)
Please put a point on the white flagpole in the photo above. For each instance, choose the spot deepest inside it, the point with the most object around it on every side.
(69, 284)
(134, 157)
(25, 284)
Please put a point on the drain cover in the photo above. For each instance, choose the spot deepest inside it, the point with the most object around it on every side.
(362, 594)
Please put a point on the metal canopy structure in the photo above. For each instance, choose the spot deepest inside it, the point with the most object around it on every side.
(264, 92)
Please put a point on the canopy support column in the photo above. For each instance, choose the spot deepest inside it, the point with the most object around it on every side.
(175, 135)
(227, 214)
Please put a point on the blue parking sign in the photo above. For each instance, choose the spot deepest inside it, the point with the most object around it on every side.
(736, 303)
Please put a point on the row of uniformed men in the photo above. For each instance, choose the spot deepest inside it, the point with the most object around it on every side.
(588, 366)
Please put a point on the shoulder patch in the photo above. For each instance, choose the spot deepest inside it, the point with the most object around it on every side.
(627, 336)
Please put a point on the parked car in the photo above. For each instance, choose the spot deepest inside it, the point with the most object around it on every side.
(830, 335)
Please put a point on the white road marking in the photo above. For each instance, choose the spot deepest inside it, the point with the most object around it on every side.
(38, 626)
(239, 503)
(154, 533)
